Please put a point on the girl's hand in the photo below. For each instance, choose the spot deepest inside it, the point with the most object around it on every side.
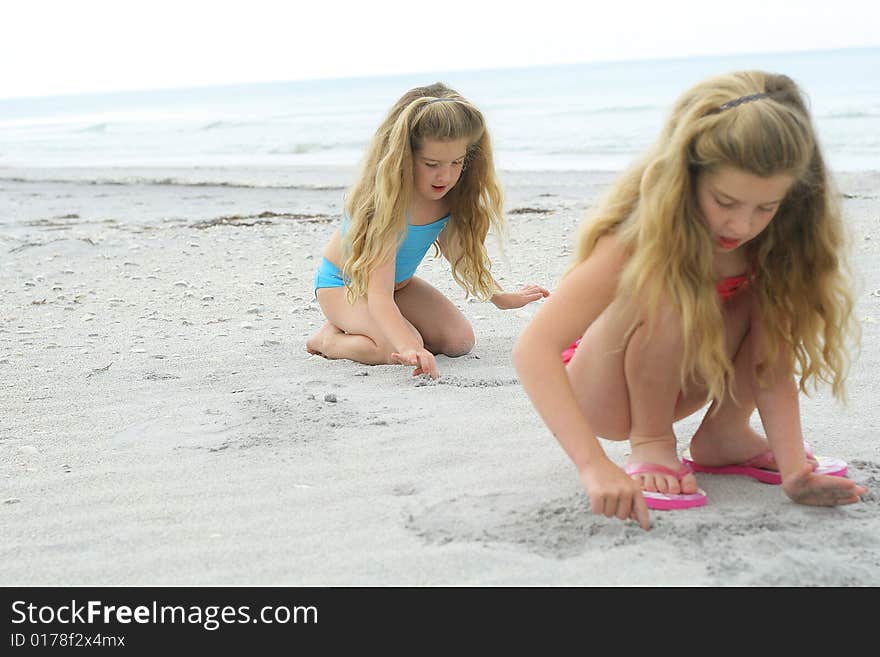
(614, 493)
(528, 293)
(806, 487)
(421, 358)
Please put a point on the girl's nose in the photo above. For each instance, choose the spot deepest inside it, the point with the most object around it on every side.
(444, 174)
(738, 224)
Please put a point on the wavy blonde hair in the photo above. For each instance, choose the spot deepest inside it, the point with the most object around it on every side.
(801, 280)
(378, 202)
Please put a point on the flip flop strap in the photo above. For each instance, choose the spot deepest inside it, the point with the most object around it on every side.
(765, 459)
(762, 461)
(656, 468)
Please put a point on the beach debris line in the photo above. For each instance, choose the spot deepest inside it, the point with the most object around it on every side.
(461, 382)
(528, 210)
(155, 376)
(261, 218)
(99, 370)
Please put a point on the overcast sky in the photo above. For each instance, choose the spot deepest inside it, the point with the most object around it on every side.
(52, 47)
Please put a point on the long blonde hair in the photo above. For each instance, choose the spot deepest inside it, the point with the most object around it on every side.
(801, 279)
(378, 201)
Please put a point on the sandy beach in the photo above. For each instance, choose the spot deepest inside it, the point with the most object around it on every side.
(162, 423)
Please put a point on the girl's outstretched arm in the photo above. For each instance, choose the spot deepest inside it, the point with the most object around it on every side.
(518, 299)
(580, 298)
(408, 346)
(779, 407)
(503, 300)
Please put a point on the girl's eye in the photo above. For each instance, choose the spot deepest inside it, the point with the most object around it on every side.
(458, 163)
(431, 165)
(770, 209)
(724, 204)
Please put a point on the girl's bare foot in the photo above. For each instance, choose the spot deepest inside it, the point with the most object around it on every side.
(315, 344)
(714, 446)
(661, 451)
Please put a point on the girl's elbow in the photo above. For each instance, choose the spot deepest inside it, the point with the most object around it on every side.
(517, 354)
(377, 302)
(523, 352)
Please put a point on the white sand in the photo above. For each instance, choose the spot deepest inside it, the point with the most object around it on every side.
(161, 422)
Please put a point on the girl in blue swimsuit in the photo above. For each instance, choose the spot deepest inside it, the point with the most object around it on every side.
(428, 179)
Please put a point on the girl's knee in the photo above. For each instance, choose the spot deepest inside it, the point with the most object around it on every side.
(456, 350)
(661, 341)
(458, 343)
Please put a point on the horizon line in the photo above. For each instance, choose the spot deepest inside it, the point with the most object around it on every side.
(256, 83)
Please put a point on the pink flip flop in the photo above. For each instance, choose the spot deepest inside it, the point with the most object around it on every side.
(757, 467)
(667, 501)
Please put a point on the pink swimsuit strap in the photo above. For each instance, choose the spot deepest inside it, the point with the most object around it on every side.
(729, 286)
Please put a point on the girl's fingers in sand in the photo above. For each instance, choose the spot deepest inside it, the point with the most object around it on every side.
(404, 359)
(423, 360)
(610, 506)
(427, 364)
(812, 489)
(634, 508)
(640, 512)
(613, 493)
(629, 508)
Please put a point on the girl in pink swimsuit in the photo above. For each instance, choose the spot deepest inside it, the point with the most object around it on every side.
(712, 273)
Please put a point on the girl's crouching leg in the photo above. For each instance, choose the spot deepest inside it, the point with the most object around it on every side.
(652, 366)
(454, 343)
(333, 343)
(315, 344)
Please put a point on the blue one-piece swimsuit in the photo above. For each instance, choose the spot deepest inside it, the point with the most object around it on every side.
(409, 254)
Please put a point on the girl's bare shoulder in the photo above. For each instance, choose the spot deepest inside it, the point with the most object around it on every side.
(592, 283)
(609, 256)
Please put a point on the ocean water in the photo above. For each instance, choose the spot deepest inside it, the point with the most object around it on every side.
(563, 118)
